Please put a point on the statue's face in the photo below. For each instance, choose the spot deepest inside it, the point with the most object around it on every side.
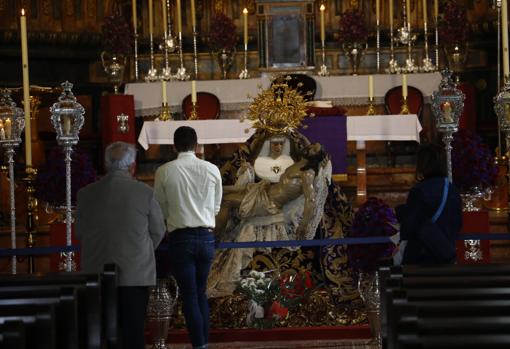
(313, 149)
(276, 148)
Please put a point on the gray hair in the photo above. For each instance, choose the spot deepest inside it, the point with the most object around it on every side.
(119, 156)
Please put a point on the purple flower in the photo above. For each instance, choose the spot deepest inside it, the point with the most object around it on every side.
(453, 28)
(373, 218)
(223, 33)
(117, 35)
(353, 27)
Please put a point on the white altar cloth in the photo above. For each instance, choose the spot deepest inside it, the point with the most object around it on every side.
(233, 94)
(359, 128)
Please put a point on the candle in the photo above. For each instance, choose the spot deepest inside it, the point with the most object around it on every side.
(370, 87)
(133, 10)
(163, 15)
(408, 11)
(404, 86)
(245, 24)
(377, 10)
(391, 13)
(323, 30)
(67, 124)
(179, 21)
(193, 16)
(436, 9)
(193, 91)
(151, 19)
(447, 112)
(26, 92)
(504, 31)
(163, 91)
(8, 128)
(424, 11)
(2, 131)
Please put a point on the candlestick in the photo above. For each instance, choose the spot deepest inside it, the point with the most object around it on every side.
(163, 91)
(193, 14)
(245, 25)
(392, 64)
(26, 89)
(165, 113)
(323, 29)
(179, 19)
(504, 32)
(194, 111)
(370, 86)
(193, 91)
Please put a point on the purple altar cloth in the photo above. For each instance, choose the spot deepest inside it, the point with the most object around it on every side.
(331, 132)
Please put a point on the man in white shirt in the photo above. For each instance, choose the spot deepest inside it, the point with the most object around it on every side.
(189, 191)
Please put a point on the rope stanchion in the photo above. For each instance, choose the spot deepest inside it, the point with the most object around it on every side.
(258, 244)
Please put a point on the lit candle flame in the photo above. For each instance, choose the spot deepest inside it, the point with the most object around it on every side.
(22, 11)
(245, 10)
(322, 7)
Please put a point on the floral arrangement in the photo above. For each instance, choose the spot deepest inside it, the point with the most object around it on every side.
(222, 34)
(452, 27)
(117, 35)
(294, 287)
(373, 218)
(353, 27)
(51, 178)
(472, 162)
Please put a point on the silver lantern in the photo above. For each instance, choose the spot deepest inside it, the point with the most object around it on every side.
(67, 117)
(162, 300)
(12, 123)
(447, 107)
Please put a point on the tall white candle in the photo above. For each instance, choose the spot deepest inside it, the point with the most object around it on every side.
(370, 87)
(391, 13)
(151, 19)
(8, 128)
(377, 10)
(193, 91)
(436, 10)
(26, 89)
(404, 85)
(193, 14)
(504, 31)
(133, 10)
(163, 92)
(323, 29)
(163, 15)
(245, 26)
(179, 19)
(424, 11)
(408, 11)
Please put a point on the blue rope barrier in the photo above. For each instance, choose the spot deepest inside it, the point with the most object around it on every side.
(257, 244)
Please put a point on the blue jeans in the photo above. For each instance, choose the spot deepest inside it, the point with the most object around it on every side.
(191, 251)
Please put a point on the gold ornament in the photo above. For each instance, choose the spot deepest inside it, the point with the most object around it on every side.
(278, 109)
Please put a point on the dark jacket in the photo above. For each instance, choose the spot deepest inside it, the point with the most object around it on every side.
(422, 202)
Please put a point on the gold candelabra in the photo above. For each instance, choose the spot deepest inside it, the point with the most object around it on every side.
(371, 108)
(165, 112)
(194, 111)
(32, 204)
(405, 108)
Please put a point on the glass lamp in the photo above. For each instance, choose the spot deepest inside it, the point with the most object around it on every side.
(67, 117)
(12, 123)
(447, 107)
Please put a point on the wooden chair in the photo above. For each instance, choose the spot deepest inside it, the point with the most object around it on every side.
(304, 84)
(393, 104)
(208, 106)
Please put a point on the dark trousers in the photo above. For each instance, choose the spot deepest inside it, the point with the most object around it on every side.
(191, 251)
(132, 309)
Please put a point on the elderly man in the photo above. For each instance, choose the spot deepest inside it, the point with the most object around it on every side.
(119, 221)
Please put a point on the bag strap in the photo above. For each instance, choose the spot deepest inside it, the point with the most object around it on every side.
(443, 201)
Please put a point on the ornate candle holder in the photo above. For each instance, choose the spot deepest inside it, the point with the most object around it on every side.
(404, 109)
(194, 111)
(165, 113)
(437, 41)
(30, 174)
(67, 118)
(135, 35)
(324, 68)
(195, 52)
(152, 73)
(371, 108)
(393, 67)
(378, 46)
(447, 106)
(244, 73)
(427, 62)
(12, 123)
(181, 71)
(162, 300)
(168, 45)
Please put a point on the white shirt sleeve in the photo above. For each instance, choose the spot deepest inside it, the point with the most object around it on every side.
(218, 191)
(159, 191)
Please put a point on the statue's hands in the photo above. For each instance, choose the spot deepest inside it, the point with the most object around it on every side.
(245, 166)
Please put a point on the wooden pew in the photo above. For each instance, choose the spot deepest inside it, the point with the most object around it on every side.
(12, 334)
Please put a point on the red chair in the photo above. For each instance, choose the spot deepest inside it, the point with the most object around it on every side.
(208, 106)
(393, 104)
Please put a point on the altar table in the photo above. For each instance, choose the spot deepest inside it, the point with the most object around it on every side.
(359, 129)
(236, 95)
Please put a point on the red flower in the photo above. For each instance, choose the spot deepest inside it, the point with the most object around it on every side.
(117, 35)
(223, 33)
(452, 27)
(278, 311)
(353, 27)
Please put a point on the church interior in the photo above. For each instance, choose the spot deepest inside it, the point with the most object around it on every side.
(368, 80)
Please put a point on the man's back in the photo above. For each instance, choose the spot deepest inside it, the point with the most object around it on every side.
(119, 221)
(189, 192)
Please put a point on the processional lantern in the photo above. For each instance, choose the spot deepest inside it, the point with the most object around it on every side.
(12, 123)
(447, 106)
(67, 117)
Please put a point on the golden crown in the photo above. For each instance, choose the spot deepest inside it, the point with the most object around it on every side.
(278, 109)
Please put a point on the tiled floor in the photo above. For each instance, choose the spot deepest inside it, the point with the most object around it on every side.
(317, 344)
